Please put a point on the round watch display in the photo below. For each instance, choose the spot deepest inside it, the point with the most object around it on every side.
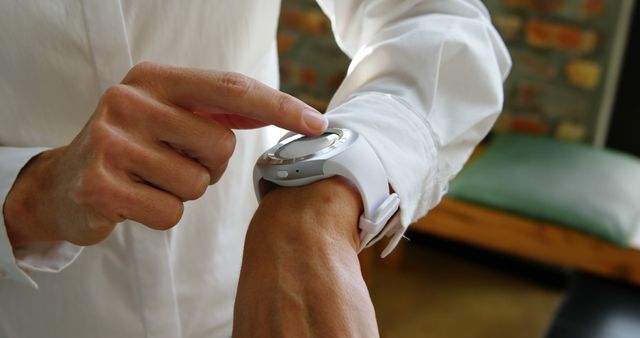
(307, 145)
(298, 147)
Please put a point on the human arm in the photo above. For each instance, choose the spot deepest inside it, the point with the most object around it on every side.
(424, 86)
(154, 141)
(300, 273)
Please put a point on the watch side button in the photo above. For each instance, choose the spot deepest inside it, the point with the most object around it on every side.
(282, 174)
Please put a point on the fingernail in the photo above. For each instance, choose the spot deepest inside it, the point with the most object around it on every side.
(314, 120)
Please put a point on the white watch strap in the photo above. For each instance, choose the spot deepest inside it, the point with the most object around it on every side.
(369, 228)
(371, 180)
(393, 228)
(360, 165)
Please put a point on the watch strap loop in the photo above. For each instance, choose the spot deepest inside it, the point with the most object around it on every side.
(394, 228)
(370, 228)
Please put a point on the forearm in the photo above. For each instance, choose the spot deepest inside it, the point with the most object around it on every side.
(424, 87)
(300, 275)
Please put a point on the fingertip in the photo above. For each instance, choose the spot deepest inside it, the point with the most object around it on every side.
(315, 122)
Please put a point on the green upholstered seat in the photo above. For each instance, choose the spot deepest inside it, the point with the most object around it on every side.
(594, 191)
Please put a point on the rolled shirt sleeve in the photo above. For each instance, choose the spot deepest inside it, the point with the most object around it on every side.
(425, 85)
(44, 256)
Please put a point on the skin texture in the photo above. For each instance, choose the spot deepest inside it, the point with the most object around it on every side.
(159, 139)
(300, 274)
(156, 140)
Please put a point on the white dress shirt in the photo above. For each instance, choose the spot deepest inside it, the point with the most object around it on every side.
(424, 86)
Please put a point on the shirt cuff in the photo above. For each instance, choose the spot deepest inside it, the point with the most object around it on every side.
(43, 256)
(404, 143)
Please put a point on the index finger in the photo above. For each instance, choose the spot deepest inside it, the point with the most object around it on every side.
(211, 91)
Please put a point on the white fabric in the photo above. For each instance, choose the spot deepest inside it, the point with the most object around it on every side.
(425, 85)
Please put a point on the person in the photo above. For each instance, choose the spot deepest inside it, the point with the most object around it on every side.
(128, 134)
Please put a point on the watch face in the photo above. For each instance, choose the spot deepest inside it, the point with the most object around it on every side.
(298, 147)
(299, 159)
(307, 145)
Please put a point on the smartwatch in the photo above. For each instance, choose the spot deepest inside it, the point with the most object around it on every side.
(298, 160)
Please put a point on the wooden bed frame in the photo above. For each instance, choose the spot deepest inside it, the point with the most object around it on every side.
(512, 234)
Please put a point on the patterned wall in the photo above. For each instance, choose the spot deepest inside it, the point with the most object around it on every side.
(311, 64)
(561, 51)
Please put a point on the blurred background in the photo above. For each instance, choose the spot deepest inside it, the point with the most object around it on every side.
(538, 236)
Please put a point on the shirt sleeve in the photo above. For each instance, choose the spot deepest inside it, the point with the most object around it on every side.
(425, 85)
(45, 256)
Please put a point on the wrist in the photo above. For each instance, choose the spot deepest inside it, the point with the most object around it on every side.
(23, 204)
(324, 212)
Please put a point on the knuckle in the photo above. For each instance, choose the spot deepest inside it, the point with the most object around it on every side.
(139, 72)
(224, 149)
(116, 212)
(226, 144)
(172, 214)
(216, 173)
(117, 100)
(114, 202)
(200, 184)
(115, 94)
(235, 84)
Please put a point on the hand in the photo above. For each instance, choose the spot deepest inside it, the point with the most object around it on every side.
(300, 272)
(154, 141)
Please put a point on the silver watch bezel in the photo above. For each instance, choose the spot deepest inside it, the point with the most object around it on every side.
(346, 137)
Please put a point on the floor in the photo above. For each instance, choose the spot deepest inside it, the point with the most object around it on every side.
(440, 293)
(598, 308)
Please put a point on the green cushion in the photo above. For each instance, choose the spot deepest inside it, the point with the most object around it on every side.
(594, 191)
